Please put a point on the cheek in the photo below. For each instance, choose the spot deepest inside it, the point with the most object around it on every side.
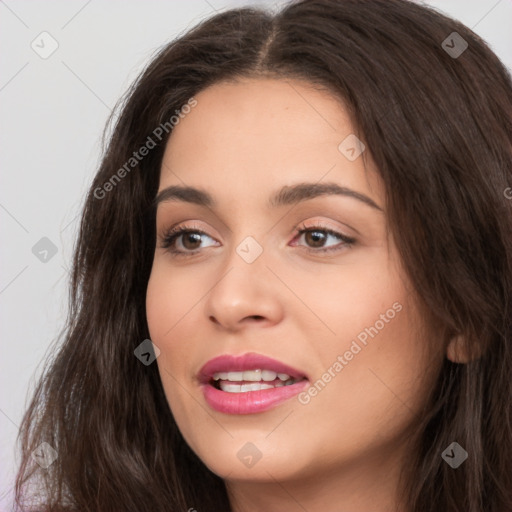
(373, 378)
(155, 304)
(371, 367)
(170, 316)
(165, 315)
(349, 300)
(169, 297)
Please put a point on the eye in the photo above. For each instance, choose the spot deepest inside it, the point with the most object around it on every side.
(183, 240)
(318, 235)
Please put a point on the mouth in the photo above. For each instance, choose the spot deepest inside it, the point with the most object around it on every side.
(249, 384)
(251, 380)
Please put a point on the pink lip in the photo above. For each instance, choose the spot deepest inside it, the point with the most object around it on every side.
(250, 402)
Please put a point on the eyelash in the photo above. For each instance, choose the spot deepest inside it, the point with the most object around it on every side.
(171, 235)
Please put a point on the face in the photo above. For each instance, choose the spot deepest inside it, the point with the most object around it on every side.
(290, 269)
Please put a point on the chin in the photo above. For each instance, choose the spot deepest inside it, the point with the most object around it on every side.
(253, 456)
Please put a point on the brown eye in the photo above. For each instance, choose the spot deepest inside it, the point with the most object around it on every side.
(191, 240)
(315, 238)
(183, 241)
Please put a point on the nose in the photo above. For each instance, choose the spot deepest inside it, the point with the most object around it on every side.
(245, 294)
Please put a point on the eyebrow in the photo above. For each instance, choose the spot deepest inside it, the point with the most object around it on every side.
(287, 195)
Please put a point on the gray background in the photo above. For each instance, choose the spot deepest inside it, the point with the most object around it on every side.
(53, 112)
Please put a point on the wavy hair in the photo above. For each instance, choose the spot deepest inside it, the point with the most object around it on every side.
(439, 128)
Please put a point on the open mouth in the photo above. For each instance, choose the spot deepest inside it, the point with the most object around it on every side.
(248, 384)
(251, 380)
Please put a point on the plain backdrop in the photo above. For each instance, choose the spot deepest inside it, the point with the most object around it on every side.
(53, 111)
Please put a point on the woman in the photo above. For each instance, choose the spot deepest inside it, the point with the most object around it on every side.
(342, 338)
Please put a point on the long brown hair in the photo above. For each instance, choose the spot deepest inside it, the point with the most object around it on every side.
(439, 128)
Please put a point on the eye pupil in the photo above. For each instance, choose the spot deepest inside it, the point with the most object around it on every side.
(316, 236)
(190, 237)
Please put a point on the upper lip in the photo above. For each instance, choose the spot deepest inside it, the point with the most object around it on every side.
(249, 361)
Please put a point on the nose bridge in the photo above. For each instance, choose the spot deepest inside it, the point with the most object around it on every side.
(245, 268)
(248, 234)
(250, 250)
(244, 288)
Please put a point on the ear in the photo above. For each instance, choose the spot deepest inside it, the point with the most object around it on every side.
(457, 350)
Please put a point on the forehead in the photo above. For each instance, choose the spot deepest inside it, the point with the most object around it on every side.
(255, 133)
(260, 108)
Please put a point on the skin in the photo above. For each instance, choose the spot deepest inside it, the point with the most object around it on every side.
(344, 449)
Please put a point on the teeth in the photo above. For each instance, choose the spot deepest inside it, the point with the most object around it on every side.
(254, 387)
(237, 388)
(256, 375)
(230, 388)
(252, 375)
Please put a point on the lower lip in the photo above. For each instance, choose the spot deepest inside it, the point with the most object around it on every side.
(250, 402)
